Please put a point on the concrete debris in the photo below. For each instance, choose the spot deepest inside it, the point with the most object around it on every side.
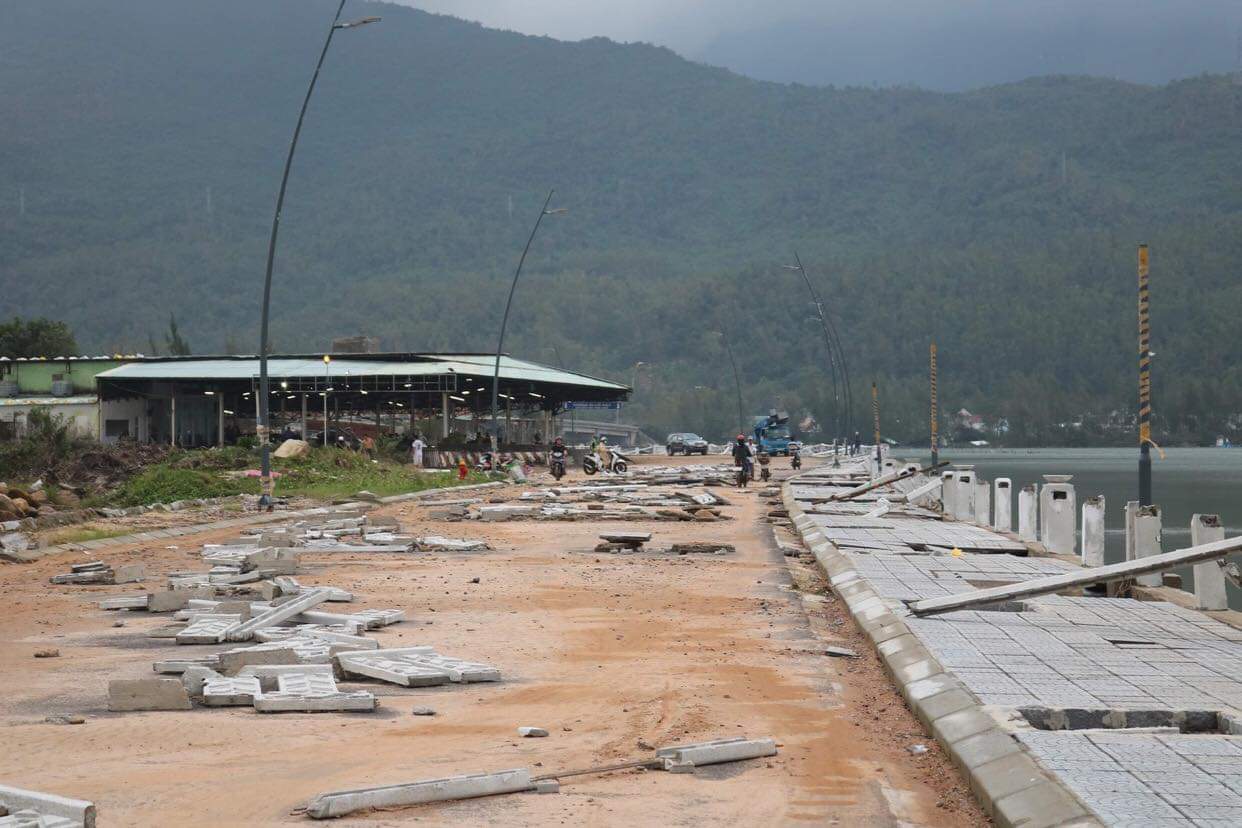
(422, 711)
(98, 572)
(123, 602)
(276, 615)
(717, 751)
(414, 667)
(341, 803)
(307, 692)
(839, 652)
(222, 691)
(48, 653)
(147, 694)
(208, 629)
(65, 720)
(702, 548)
(532, 732)
(438, 543)
(547, 786)
(292, 448)
(49, 810)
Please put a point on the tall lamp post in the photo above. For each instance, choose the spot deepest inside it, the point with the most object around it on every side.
(633, 387)
(1145, 354)
(500, 342)
(737, 381)
(262, 428)
(835, 352)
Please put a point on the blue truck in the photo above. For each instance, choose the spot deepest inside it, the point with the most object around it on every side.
(772, 434)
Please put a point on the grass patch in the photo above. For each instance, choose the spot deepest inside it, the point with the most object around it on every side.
(82, 534)
(323, 474)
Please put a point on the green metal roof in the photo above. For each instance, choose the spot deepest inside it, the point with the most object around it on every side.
(354, 365)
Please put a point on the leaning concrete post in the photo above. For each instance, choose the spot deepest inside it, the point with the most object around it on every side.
(1093, 531)
(1209, 577)
(1002, 508)
(1058, 512)
(948, 493)
(964, 496)
(1147, 541)
(983, 502)
(1028, 507)
(1131, 513)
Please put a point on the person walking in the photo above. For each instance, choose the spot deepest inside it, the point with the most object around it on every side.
(368, 446)
(416, 450)
(742, 458)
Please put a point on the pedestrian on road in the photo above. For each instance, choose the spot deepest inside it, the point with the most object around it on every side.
(416, 449)
(742, 458)
(368, 446)
(463, 470)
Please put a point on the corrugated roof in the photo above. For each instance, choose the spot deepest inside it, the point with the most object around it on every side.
(353, 365)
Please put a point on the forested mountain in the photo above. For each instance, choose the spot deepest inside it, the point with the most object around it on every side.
(142, 142)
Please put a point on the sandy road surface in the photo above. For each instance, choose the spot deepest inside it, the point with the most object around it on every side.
(604, 651)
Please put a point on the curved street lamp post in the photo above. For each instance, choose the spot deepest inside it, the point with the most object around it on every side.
(836, 354)
(263, 426)
(504, 322)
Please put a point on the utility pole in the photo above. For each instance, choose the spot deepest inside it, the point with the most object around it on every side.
(737, 382)
(1144, 380)
(875, 413)
(935, 429)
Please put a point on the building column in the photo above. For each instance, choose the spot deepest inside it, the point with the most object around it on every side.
(305, 428)
(220, 419)
(172, 420)
(444, 415)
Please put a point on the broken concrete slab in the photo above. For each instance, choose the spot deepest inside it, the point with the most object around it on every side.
(120, 602)
(311, 692)
(341, 803)
(147, 694)
(401, 668)
(439, 543)
(78, 811)
(235, 691)
(208, 629)
(277, 615)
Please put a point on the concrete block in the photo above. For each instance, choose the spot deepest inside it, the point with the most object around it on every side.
(277, 615)
(208, 629)
(981, 748)
(147, 694)
(1093, 531)
(718, 751)
(234, 661)
(1028, 513)
(77, 810)
(195, 677)
(1147, 528)
(1210, 591)
(237, 691)
(1058, 512)
(341, 803)
(548, 786)
(1002, 510)
(120, 602)
(1005, 776)
(963, 724)
(397, 668)
(310, 692)
(174, 599)
(1039, 806)
(932, 708)
(129, 574)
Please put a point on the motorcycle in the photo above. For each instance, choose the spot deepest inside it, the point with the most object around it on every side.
(617, 462)
(765, 474)
(556, 462)
(745, 471)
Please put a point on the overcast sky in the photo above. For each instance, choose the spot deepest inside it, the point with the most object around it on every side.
(940, 44)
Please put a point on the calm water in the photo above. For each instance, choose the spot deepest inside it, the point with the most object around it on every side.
(1185, 482)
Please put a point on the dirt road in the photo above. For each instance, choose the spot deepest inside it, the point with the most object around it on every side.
(610, 653)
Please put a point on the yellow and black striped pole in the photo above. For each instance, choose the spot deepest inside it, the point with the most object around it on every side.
(1144, 380)
(875, 413)
(935, 431)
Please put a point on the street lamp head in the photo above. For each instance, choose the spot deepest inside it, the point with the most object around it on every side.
(353, 24)
(556, 211)
(326, 359)
(791, 267)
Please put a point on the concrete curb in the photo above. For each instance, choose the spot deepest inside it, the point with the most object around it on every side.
(401, 498)
(1010, 785)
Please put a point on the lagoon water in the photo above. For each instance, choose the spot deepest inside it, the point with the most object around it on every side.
(1184, 482)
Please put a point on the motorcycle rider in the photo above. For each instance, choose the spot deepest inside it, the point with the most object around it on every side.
(605, 457)
(558, 453)
(795, 457)
(742, 457)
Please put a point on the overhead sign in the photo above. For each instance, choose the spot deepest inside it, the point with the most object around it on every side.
(600, 406)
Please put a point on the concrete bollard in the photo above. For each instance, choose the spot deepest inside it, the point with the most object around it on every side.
(1093, 531)
(1002, 504)
(983, 502)
(1131, 512)
(1057, 514)
(1147, 541)
(1209, 577)
(964, 496)
(1028, 511)
(948, 492)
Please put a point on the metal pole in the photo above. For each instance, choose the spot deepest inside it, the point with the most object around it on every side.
(261, 429)
(875, 413)
(935, 425)
(1144, 381)
(828, 341)
(500, 342)
(327, 364)
(737, 382)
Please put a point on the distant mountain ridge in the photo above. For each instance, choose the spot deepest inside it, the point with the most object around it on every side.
(140, 165)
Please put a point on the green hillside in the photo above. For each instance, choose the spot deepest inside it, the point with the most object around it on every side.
(142, 145)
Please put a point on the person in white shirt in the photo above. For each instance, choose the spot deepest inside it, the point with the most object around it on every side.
(416, 449)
